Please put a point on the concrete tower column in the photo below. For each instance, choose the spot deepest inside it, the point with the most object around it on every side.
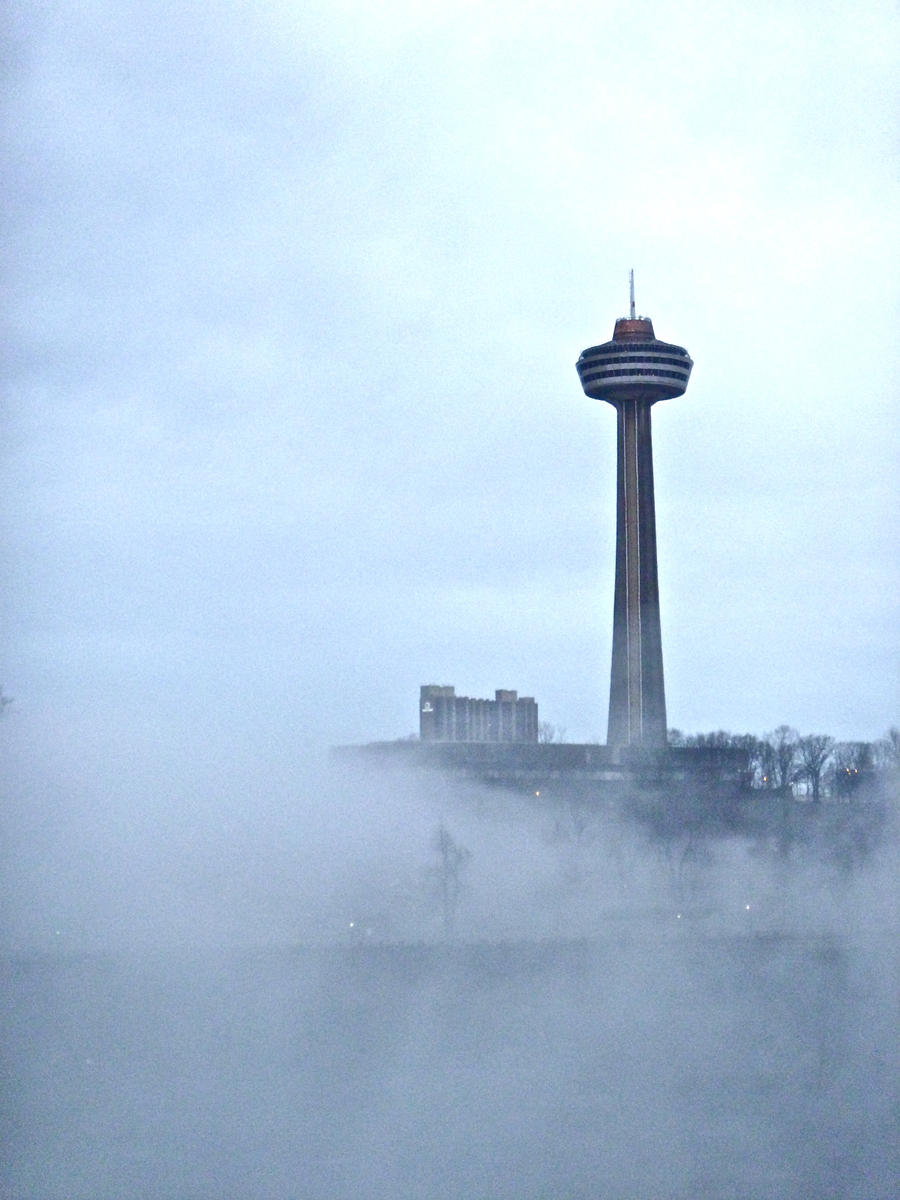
(637, 702)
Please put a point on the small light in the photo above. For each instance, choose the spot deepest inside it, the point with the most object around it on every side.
(678, 916)
(747, 907)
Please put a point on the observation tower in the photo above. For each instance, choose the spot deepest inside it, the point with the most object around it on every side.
(632, 372)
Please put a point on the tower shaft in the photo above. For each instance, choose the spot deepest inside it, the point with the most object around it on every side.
(637, 703)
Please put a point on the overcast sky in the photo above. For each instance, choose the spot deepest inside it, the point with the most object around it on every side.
(295, 293)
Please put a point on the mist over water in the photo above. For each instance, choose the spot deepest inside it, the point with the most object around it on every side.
(259, 991)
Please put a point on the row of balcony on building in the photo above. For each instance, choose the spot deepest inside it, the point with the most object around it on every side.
(446, 717)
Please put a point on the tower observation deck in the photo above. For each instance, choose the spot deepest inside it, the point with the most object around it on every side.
(632, 372)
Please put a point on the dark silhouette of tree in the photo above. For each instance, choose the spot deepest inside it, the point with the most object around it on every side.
(849, 833)
(852, 764)
(451, 859)
(780, 757)
(887, 751)
(813, 751)
(755, 750)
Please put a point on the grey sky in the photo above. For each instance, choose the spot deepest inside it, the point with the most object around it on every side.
(295, 294)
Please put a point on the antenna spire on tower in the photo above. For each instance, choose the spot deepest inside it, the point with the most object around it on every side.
(631, 281)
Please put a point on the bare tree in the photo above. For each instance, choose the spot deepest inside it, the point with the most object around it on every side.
(887, 751)
(780, 757)
(451, 859)
(755, 750)
(852, 763)
(812, 753)
(548, 732)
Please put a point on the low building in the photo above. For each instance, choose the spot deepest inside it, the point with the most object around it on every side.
(446, 717)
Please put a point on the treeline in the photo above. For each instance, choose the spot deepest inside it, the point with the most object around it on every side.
(812, 764)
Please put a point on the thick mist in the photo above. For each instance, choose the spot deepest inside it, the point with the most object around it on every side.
(288, 987)
(200, 848)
